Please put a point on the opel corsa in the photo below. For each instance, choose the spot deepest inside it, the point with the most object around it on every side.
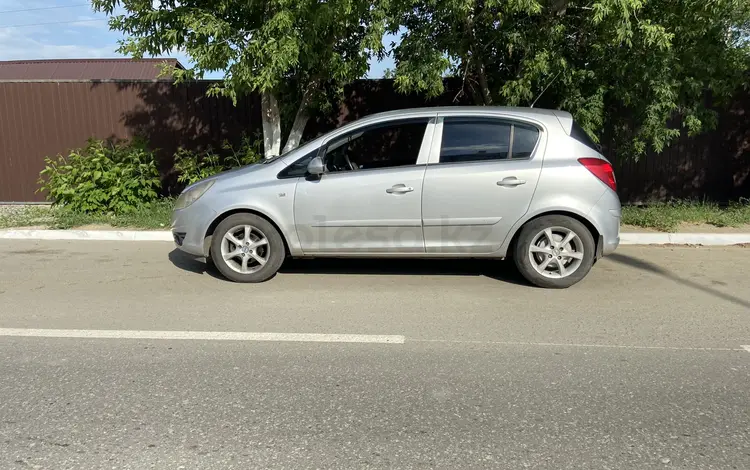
(520, 183)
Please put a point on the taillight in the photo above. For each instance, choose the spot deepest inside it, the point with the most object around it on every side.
(601, 169)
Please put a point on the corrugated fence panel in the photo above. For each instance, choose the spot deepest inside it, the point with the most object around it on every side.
(711, 166)
(39, 119)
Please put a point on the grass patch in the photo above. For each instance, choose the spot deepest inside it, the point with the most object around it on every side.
(661, 216)
(155, 215)
(668, 216)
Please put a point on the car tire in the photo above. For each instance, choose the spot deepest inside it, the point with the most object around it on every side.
(537, 258)
(246, 266)
(210, 261)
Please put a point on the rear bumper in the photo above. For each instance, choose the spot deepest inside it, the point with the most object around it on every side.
(606, 216)
(610, 245)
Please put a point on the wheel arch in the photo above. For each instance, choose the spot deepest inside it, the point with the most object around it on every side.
(595, 233)
(240, 210)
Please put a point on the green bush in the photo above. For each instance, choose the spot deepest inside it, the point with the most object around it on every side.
(194, 166)
(102, 177)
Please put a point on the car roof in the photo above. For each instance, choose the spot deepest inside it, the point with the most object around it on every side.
(564, 118)
(475, 109)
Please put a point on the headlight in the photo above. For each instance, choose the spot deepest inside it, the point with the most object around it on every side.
(193, 194)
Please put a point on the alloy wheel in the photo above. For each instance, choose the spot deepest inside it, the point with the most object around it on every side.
(556, 252)
(245, 249)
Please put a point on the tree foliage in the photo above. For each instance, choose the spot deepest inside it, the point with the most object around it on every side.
(641, 71)
(193, 166)
(296, 49)
(627, 66)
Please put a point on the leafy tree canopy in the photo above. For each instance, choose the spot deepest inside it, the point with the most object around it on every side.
(298, 49)
(622, 67)
(627, 66)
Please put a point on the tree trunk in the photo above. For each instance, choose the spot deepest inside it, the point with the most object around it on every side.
(476, 96)
(558, 7)
(484, 88)
(300, 121)
(485, 97)
(271, 124)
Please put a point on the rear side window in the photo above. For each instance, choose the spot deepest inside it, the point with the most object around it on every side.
(581, 136)
(524, 140)
(469, 140)
(466, 141)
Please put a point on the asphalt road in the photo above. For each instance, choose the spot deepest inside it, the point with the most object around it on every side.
(639, 366)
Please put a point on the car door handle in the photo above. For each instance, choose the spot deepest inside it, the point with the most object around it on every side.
(511, 182)
(399, 189)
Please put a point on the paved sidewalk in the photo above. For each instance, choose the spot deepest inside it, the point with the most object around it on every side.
(627, 238)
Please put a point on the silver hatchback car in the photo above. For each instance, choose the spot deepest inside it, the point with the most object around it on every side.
(457, 182)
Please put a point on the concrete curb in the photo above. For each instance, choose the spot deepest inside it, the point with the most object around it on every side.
(707, 239)
(100, 235)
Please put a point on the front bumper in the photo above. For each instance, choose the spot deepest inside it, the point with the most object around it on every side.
(179, 237)
(189, 227)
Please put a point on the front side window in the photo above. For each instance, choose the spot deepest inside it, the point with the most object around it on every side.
(381, 146)
(470, 140)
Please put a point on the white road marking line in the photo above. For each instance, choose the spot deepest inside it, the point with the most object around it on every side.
(576, 345)
(203, 335)
(309, 338)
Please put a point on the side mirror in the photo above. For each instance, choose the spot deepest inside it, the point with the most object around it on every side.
(315, 167)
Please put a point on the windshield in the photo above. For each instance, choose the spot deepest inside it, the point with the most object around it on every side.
(272, 159)
(277, 157)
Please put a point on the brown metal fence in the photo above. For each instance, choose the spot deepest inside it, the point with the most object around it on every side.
(44, 118)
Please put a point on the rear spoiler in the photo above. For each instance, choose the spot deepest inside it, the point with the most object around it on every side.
(565, 119)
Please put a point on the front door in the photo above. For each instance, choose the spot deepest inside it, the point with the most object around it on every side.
(369, 199)
(482, 184)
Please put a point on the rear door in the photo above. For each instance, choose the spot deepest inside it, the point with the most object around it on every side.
(480, 180)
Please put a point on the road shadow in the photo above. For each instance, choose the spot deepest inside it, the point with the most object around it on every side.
(494, 269)
(194, 264)
(655, 269)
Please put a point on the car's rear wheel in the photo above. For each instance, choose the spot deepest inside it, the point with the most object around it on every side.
(247, 248)
(554, 251)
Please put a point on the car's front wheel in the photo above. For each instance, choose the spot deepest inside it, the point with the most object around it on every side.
(554, 251)
(247, 248)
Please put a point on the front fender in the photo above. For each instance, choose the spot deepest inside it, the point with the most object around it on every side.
(274, 201)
